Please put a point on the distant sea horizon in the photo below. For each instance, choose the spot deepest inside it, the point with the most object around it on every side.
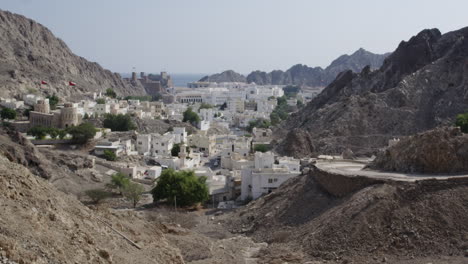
(179, 79)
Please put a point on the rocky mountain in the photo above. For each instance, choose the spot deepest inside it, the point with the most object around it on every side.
(304, 75)
(422, 85)
(30, 53)
(225, 76)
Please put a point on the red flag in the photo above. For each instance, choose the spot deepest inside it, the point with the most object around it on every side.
(71, 83)
(44, 82)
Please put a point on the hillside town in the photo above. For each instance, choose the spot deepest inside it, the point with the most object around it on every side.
(229, 145)
(243, 134)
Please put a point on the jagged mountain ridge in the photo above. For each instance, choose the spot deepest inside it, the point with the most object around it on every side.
(30, 53)
(422, 85)
(225, 76)
(304, 75)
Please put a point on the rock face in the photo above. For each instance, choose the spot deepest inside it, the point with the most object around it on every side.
(442, 150)
(422, 85)
(303, 75)
(226, 76)
(30, 53)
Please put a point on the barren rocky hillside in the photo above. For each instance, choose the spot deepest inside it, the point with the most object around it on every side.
(420, 86)
(40, 224)
(442, 150)
(30, 53)
(343, 219)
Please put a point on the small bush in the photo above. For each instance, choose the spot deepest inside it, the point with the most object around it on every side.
(97, 195)
(8, 113)
(110, 155)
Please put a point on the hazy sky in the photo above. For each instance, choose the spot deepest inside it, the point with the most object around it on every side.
(207, 36)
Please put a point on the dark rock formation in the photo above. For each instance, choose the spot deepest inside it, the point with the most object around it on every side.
(422, 85)
(302, 74)
(225, 76)
(442, 150)
(29, 53)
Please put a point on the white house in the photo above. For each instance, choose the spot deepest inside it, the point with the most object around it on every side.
(180, 135)
(102, 109)
(266, 176)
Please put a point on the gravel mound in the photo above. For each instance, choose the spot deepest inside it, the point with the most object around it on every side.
(386, 219)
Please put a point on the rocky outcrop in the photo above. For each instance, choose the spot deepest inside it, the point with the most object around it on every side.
(420, 86)
(442, 150)
(225, 76)
(30, 53)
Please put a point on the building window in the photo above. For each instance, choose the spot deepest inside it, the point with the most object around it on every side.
(270, 180)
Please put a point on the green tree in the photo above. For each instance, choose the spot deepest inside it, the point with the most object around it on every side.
(119, 181)
(176, 149)
(191, 116)
(300, 104)
(111, 93)
(38, 132)
(86, 116)
(183, 186)
(462, 122)
(223, 106)
(62, 133)
(97, 195)
(8, 113)
(119, 122)
(261, 148)
(53, 101)
(205, 106)
(133, 192)
(100, 101)
(82, 133)
(259, 123)
(110, 155)
(291, 91)
(53, 132)
(280, 112)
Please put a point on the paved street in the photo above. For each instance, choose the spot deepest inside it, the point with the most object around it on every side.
(356, 169)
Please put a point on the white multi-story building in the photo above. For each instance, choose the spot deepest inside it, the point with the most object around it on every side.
(101, 109)
(143, 144)
(207, 114)
(180, 135)
(161, 145)
(266, 176)
(11, 103)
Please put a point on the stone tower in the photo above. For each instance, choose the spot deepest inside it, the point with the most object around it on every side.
(68, 116)
(42, 106)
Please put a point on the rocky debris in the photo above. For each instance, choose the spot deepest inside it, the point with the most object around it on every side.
(420, 86)
(303, 75)
(40, 224)
(161, 126)
(379, 219)
(225, 76)
(441, 150)
(70, 171)
(5, 260)
(29, 53)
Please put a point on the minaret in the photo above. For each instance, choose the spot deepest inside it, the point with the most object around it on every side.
(182, 154)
